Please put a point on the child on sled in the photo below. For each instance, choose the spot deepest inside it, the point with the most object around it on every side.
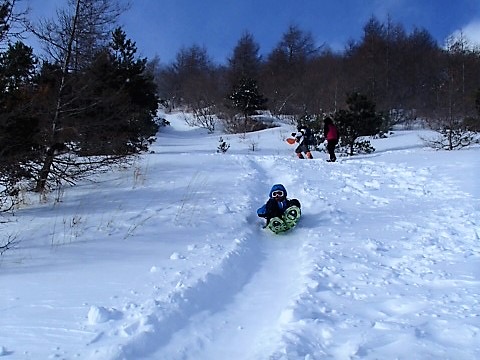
(280, 212)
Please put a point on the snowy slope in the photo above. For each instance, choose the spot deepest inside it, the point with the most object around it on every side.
(167, 259)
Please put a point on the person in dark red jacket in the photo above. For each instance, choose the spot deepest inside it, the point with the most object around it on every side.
(331, 135)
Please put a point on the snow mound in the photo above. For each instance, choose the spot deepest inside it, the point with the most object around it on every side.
(100, 314)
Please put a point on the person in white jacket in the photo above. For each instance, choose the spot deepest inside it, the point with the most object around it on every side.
(303, 145)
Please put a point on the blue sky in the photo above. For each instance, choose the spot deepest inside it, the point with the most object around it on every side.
(163, 27)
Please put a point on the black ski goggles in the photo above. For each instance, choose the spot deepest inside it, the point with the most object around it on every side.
(277, 193)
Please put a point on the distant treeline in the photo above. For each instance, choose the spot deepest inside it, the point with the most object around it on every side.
(407, 75)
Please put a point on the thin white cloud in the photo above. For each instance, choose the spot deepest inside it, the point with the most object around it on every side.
(470, 32)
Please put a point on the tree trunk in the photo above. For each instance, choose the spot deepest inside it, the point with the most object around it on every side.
(50, 153)
(45, 171)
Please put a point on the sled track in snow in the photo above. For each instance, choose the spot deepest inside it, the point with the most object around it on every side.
(223, 333)
(207, 316)
(155, 328)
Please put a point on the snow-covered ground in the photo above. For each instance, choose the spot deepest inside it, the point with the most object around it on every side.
(167, 259)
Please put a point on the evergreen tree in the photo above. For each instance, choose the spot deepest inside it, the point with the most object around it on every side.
(107, 109)
(359, 119)
(246, 98)
(5, 11)
(18, 120)
(245, 61)
(119, 99)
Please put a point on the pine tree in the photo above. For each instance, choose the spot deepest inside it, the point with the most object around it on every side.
(18, 121)
(119, 99)
(246, 98)
(360, 119)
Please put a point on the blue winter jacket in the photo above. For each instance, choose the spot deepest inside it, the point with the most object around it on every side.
(274, 208)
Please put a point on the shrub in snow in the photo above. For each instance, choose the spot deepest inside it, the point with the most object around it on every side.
(451, 139)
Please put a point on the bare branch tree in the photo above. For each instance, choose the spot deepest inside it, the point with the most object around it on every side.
(9, 243)
(72, 41)
(12, 22)
(87, 24)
